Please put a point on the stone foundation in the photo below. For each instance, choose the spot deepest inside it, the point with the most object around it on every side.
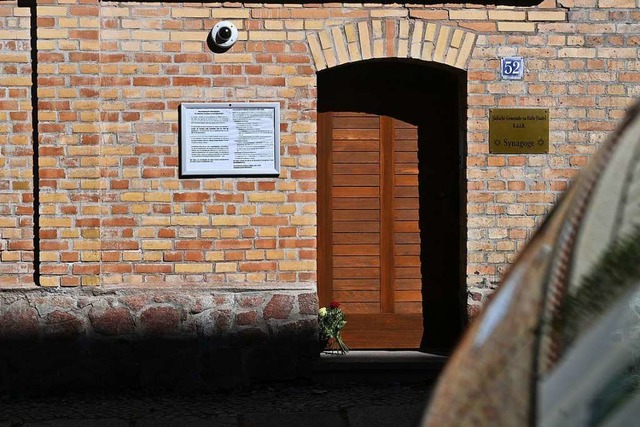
(153, 339)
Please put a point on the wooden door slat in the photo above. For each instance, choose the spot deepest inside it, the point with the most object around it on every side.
(407, 261)
(405, 169)
(356, 261)
(356, 215)
(350, 273)
(356, 134)
(356, 238)
(351, 308)
(359, 203)
(405, 145)
(356, 145)
(409, 307)
(407, 238)
(388, 340)
(356, 122)
(407, 249)
(406, 215)
(355, 284)
(407, 227)
(357, 180)
(356, 192)
(406, 192)
(356, 250)
(357, 296)
(414, 284)
(355, 157)
(408, 272)
(385, 321)
(356, 169)
(410, 157)
(407, 203)
(408, 296)
(356, 227)
(407, 180)
(406, 133)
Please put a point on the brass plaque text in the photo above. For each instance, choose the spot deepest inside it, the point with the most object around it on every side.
(519, 131)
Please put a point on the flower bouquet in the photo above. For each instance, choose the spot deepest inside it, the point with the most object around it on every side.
(331, 321)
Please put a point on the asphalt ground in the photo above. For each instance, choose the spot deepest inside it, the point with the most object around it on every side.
(347, 404)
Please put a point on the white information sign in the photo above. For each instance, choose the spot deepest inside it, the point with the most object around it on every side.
(230, 139)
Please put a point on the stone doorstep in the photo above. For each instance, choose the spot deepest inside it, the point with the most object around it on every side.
(409, 366)
(378, 368)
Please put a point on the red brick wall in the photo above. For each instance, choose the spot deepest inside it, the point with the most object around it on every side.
(16, 147)
(111, 76)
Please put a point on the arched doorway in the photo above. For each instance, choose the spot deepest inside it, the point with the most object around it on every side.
(391, 201)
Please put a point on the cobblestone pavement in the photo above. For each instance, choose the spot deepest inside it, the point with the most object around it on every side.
(347, 405)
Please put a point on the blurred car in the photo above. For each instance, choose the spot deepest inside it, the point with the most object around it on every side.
(559, 344)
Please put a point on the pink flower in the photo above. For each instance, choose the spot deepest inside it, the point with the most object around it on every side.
(334, 304)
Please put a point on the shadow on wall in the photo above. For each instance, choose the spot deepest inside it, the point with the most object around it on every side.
(75, 340)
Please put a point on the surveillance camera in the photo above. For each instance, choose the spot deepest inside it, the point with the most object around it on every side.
(224, 34)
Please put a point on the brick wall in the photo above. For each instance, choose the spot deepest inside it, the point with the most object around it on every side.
(16, 147)
(582, 61)
(111, 76)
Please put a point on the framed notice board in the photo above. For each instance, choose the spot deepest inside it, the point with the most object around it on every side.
(221, 139)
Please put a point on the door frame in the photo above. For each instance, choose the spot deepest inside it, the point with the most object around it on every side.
(456, 316)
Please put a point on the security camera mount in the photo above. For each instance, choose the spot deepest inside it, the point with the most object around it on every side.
(223, 35)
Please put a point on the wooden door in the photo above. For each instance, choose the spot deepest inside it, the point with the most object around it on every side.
(368, 230)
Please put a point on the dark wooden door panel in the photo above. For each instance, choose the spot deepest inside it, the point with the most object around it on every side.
(358, 283)
(368, 231)
(355, 215)
(359, 227)
(408, 284)
(350, 192)
(355, 169)
(355, 122)
(356, 250)
(384, 331)
(356, 203)
(356, 238)
(357, 146)
(357, 180)
(356, 295)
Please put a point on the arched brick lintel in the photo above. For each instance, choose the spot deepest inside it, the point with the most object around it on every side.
(391, 38)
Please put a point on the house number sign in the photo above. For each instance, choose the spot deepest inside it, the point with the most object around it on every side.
(512, 68)
(219, 139)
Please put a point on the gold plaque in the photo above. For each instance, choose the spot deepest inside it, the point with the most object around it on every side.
(519, 131)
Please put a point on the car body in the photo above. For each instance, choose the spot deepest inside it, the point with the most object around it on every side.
(559, 344)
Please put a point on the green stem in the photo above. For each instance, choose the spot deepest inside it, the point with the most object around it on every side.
(343, 347)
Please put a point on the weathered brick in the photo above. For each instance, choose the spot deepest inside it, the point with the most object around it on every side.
(468, 14)
(525, 27)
